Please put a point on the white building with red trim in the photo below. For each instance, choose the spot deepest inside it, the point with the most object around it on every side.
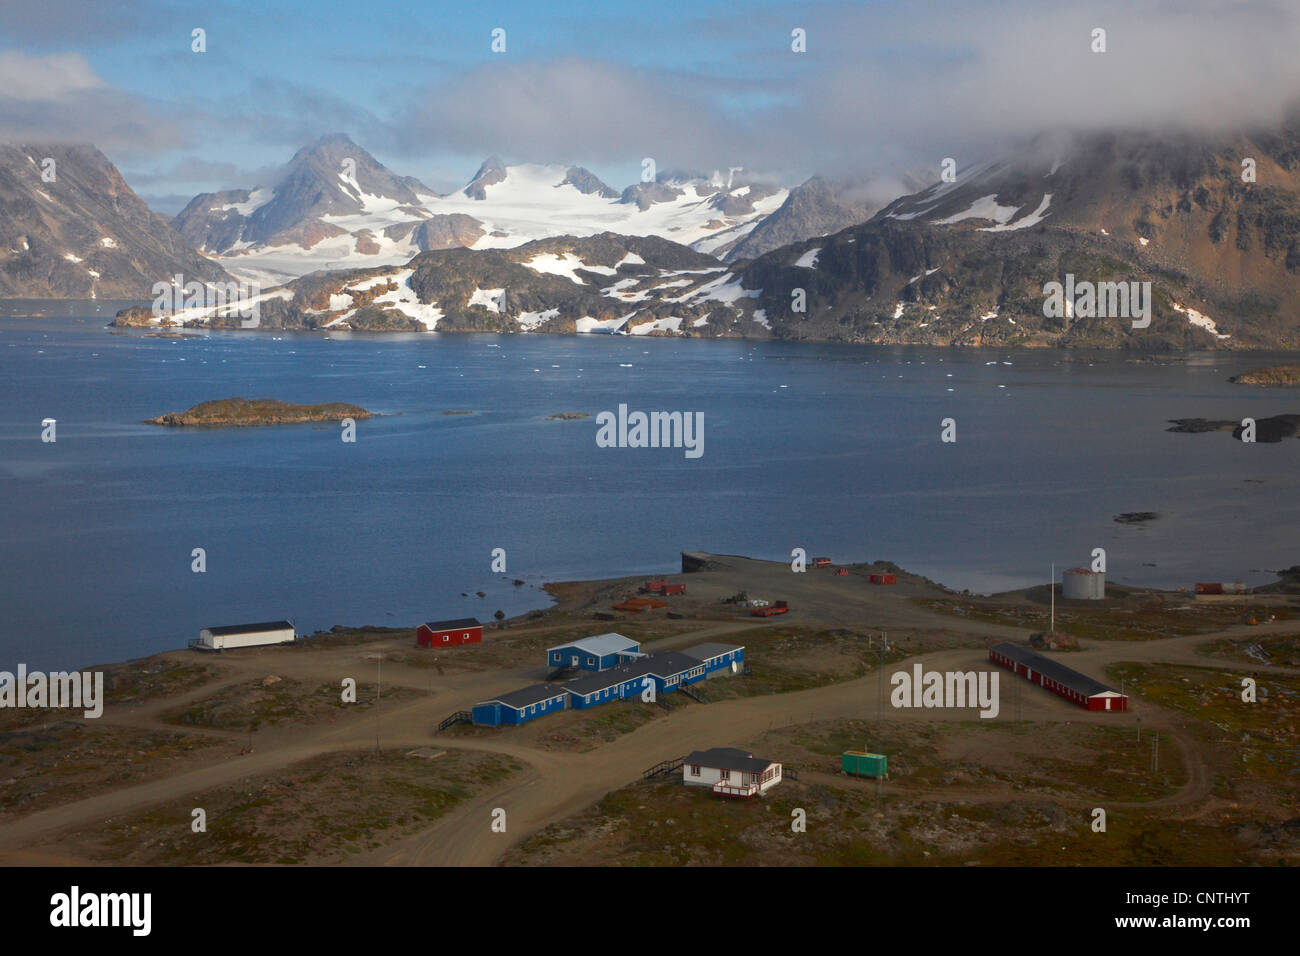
(730, 772)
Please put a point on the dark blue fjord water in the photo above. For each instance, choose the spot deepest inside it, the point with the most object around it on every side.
(832, 448)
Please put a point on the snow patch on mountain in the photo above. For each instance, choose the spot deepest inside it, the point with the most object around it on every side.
(490, 299)
(1200, 320)
(531, 320)
(565, 265)
(1033, 219)
(986, 207)
(670, 324)
(808, 260)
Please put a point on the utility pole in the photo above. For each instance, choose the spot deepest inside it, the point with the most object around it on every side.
(1052, 589)
(1155, 754)
(880, 710)
(880, 695)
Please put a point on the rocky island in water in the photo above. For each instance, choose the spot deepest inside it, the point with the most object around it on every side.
(1276, 375)
(235, 412)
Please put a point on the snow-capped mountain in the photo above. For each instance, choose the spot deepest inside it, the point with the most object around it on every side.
(70, 227)
(336, 207)
(606, 283)
(966, 262)
(958, 263)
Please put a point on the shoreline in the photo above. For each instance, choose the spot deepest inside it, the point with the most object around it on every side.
(1153, 355)
(559, 592)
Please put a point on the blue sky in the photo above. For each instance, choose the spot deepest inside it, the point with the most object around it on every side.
(710, 83)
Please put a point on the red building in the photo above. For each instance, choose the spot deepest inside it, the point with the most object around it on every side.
(884, 579)
(1054, 676)
(466, 630)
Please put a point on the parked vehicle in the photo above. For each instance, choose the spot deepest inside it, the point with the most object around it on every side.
(780, 607)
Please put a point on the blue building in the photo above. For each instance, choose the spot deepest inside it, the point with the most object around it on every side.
(671, 669)
(601, 688)
(597, 653)
(520, 706)
(717, 656)
(665, 671)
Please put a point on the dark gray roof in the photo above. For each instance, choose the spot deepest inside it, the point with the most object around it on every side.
(712, 649)
(595, 682)
(1054, 670)
(453, 625)
(728, 758)
(528, 695)
(661, 664)
(249, 628)
(665, 663)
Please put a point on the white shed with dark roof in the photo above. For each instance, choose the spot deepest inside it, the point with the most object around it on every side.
(730, 772)
(245, 635)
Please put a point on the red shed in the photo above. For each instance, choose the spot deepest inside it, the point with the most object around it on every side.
(884, 579)
(1054, 676)
(673, 589)
(465, 630)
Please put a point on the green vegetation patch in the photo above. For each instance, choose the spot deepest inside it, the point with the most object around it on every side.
(1133, 618)
(786, 659)
(666, 823)
(321, 810)
(68, 760)
(271, 700)
(1261, 735)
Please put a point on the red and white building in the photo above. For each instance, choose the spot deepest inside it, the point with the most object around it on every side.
(465, 630)
(1054, 676)
(730, 772)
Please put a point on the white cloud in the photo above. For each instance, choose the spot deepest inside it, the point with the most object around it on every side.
(59, 98)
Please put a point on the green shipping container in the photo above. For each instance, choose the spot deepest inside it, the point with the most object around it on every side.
(864, 764)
